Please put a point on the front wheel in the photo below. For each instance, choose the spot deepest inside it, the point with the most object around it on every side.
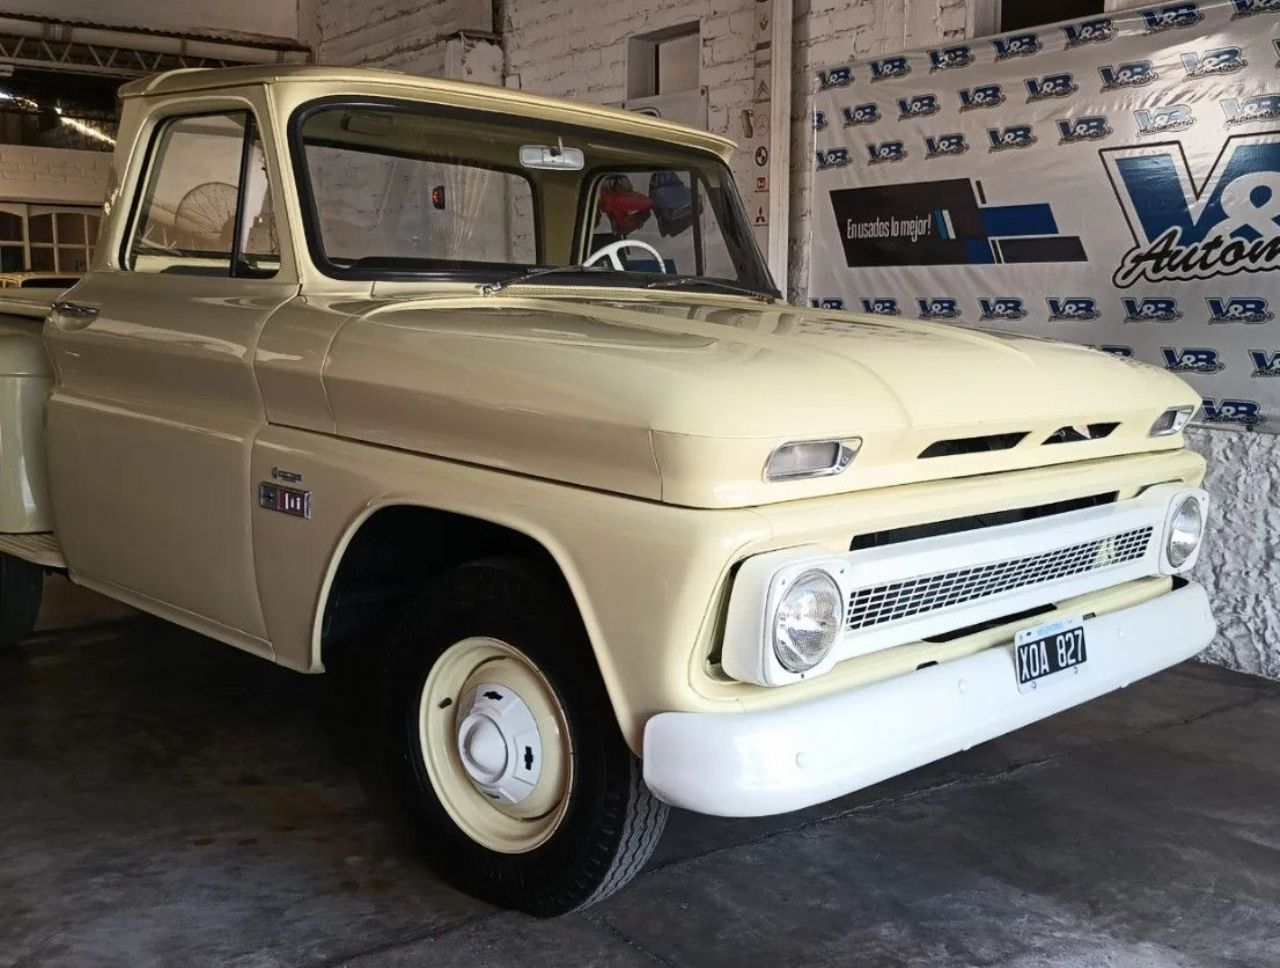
(507, 746)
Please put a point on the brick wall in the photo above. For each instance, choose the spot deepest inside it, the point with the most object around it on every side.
(831, 32)
(405, 35)
(53, 175)
(580, 51)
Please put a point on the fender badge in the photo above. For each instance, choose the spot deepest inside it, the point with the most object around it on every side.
(286, 500)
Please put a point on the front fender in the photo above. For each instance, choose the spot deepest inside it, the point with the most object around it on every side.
(644, 575)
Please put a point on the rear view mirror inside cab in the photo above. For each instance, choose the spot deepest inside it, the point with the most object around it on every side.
(551, 157)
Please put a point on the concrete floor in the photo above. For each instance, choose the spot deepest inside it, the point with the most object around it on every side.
(165, 800)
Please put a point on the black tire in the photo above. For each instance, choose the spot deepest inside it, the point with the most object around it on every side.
(21, 587)
(611, 824)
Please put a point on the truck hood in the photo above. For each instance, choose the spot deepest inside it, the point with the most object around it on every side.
(683, 400)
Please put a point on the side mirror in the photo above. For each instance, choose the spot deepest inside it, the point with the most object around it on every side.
(552, 158)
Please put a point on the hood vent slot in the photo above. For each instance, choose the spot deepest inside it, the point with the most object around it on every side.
(972, 445)
(1070, 435)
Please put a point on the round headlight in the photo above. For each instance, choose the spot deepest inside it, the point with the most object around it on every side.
(807, 621)
(1186, 527)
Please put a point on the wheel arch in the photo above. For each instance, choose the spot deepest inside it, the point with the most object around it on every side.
(644, 577)
(396, 528)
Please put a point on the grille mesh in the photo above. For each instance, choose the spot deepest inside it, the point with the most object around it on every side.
(892, 602)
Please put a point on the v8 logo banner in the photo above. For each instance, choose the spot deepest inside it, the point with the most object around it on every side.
(1116, 179)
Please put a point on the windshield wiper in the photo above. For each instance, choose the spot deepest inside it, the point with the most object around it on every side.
(664, 283)
(681, 281)
(493, 287)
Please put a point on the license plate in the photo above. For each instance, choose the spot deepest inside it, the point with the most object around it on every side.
(1049, 650)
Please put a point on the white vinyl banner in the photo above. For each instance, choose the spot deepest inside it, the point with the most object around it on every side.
(1112, 181)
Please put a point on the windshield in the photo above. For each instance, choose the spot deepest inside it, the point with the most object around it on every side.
(409, 190)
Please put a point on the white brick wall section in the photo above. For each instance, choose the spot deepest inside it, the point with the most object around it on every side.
(829, 32)
(1240, 564)
(53, 175)
(580, 50)
(396, 34)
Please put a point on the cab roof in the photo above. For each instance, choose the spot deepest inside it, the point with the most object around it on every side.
(363, 80)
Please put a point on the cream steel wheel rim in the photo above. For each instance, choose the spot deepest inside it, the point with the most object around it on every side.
(495, 743)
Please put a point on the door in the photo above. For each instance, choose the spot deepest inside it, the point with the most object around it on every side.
(155, 407)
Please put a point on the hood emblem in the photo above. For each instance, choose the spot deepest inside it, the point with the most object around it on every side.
(1078, 432)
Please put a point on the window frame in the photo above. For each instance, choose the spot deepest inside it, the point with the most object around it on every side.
(985, 17)
(644, 60)
(56, 247)
(20, 211)
(237, 266)
(581, 230)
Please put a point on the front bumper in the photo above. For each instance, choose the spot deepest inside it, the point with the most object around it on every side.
(758, 763)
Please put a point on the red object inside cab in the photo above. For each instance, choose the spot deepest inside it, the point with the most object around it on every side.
(625, 207)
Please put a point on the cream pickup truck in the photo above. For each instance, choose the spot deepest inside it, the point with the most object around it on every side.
(497, 391)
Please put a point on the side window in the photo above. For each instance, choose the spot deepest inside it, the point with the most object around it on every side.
(259, 251)
(186, 222)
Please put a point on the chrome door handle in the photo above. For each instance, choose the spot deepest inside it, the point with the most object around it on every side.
(70, 315)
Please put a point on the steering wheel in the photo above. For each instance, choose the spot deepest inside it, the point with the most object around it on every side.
(611, 251)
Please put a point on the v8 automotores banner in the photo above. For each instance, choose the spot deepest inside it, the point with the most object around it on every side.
(1113, 181)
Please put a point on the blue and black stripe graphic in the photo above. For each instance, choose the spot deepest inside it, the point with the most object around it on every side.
(946, 223)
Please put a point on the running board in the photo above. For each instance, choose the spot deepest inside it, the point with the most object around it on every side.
(41, 549)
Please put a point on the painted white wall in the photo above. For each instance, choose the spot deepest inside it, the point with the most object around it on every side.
(829, 32)
(577, 50)
(572, 50)
(404, 35)
(580, 51)
(53, 175)
(1240, 564)
(274, 18)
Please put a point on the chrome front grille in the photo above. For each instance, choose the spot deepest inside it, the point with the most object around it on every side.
(879, 605)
